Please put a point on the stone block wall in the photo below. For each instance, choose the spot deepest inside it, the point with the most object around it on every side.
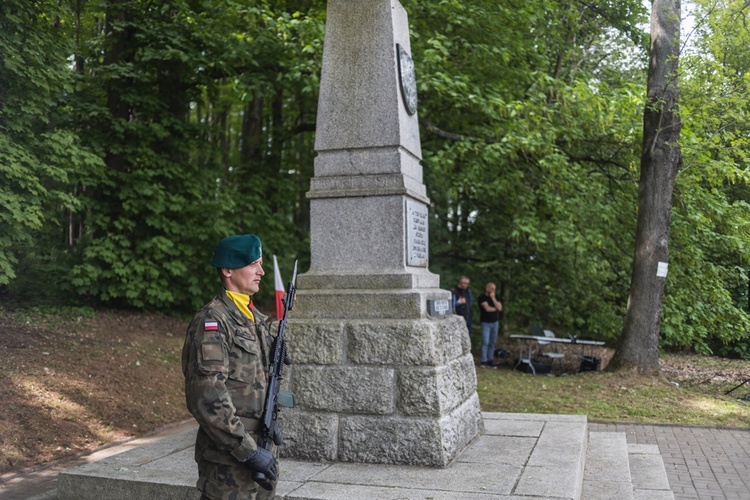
(380, 391)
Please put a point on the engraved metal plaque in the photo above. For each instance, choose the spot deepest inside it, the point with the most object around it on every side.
(408, 80)
(416, 234)
(439, 307)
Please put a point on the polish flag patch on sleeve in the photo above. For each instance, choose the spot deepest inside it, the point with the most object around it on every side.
(211, 326)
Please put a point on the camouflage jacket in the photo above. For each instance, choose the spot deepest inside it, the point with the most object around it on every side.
(225, 362)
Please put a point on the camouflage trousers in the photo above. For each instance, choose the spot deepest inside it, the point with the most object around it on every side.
(230, 482)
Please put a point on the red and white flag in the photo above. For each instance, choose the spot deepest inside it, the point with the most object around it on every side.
(279, 289)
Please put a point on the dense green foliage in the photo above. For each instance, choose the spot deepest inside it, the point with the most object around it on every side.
(539, 191)
(37, 150)
(135, 134)
(707, 300)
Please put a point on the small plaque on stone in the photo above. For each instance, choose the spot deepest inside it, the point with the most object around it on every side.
(408, 80)
(416, 234)
(439, 307)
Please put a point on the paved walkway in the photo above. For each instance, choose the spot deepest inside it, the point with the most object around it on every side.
(40, 482)
(702, 463)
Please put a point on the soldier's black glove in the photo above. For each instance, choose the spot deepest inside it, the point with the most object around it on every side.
(262, 460)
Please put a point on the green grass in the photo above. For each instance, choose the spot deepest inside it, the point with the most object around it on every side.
(604, 396)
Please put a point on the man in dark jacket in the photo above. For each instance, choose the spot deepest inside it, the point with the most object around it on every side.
(462, 299)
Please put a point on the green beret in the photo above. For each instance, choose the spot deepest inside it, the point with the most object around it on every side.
(237, 251)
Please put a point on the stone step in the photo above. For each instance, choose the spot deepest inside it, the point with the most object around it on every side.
(519, 457)
(607, 471)
(555, 466)
(616, 469)
(650, 480)
(163, 470)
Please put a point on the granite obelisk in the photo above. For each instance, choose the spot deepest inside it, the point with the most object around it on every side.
(382, 371)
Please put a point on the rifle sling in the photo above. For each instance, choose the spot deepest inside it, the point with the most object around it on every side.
(252, 425)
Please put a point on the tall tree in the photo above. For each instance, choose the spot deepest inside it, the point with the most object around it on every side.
(706, 299)
(146, 212)
(661, 160)
(201, 112)
(38, 149)
(530, 133)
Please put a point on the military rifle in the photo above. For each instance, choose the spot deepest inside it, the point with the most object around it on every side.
(275, 397)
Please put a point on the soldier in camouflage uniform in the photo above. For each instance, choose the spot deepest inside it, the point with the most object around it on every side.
(225, 361)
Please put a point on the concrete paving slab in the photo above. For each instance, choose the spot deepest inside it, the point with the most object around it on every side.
(682, 446)
(644, 489)
(520, 428)
(545, 483)
(499, 450)
(300, 471)
(644, 449)
(650, 480)
(164, 469)
(492, 466)
(319, 491)
(607, 470)
(648, 472)
(534, 417)
(459, 477)
(607, 490)
(655, 495)
(555, 467)
(684, 450)
(125, 489)
(607, 457)
(40, 482)
(559, 443)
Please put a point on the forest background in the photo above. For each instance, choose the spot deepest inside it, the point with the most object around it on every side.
(134, 134)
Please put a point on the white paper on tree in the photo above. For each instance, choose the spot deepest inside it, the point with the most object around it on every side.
(661, 270)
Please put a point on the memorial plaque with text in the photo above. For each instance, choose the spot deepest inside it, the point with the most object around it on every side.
(416, 234)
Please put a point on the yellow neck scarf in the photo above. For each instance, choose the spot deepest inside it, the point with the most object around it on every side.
(242, 302)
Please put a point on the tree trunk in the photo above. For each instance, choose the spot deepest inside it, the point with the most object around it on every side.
(660, 161)
(252, 132)
(119, 51)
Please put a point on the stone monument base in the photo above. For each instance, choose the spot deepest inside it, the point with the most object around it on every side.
(381, 391)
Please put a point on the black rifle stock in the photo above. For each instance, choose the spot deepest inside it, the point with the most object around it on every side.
(275, 397)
